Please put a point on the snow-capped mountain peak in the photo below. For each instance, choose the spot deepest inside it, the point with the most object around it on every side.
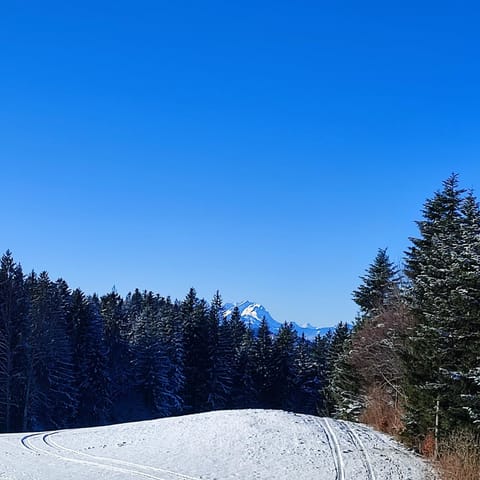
(252, 314)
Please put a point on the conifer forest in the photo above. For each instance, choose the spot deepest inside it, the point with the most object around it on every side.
(410, 365)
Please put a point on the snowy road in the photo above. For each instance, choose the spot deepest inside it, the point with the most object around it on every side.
(245, 444)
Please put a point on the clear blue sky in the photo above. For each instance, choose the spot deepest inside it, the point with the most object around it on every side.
(266, 149)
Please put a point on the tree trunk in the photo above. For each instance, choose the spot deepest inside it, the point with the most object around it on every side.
(437, 415)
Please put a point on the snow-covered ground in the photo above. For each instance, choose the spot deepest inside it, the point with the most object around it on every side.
(240, 444)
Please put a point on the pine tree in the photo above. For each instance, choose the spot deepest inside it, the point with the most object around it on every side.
(465, 329)
(12, 317)
(89, 360)
(444, 295)
(221, 357)
(379, 286)
(149, 355)
(194, 318)
(119, 357)
(264, 366)
(241, 338)
(342, 391)
(50, 398)
(284, 372)
(305, 392)
(319, 352)
(169, 394)
(367, 371)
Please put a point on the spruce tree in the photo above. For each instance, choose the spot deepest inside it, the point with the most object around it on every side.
(89, 360)
(367, 369)
(169, 395)
(319, 352)
(342, 396)
(119, 356)
(284, 372)
(379, 285)
(12, 318)
(150, 357)
(50, 398)
(243, 392)
(221, 357)
(305, 392)
(264, 366)
(194, 318)
(443, 270)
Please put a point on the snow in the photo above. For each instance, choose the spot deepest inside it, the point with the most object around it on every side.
(252, 314)
(226, 445)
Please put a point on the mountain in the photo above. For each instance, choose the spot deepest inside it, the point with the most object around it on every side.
(252, 314)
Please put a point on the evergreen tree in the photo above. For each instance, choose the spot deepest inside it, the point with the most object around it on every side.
(241, 338)
(367, 370)
(379, 286)
(169, 395)
(221, 357)
(443, 270)
(264, 366)
(284, 372)
(120, 362)
(305, 391)
(319, 352)
(341, 391)
(12, 317)
(150, 355)
(50, 399)
(89, 360)
(194, 318)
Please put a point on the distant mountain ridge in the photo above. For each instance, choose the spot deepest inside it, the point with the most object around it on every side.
(252, 314)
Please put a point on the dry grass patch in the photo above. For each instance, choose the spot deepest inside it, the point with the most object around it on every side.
(459, 457)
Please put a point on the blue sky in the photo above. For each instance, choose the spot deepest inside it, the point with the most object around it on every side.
(266, 149)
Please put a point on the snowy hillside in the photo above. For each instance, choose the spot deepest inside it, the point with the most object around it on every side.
(252, 314)
(227, 445)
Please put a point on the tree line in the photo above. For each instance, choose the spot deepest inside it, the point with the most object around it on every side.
(72, 360)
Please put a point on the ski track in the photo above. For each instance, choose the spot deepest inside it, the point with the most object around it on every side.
(360, 447)
(334, 447)
(177, 475)
(51, 445)
(389, 445)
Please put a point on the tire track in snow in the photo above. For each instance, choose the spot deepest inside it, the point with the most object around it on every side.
(360, 447)
(26, 442)
(334, 447)
(377, 439)
(177, 475)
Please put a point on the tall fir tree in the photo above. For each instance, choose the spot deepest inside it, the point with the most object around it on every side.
(221, 358)
(341, 389)
(194, 318)
(50, 398)
(89, 360)
(379, 287)
(265, 368)
(444, 295)
(12, 318)
(119, 356)
(284, 372)
(307, 381)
